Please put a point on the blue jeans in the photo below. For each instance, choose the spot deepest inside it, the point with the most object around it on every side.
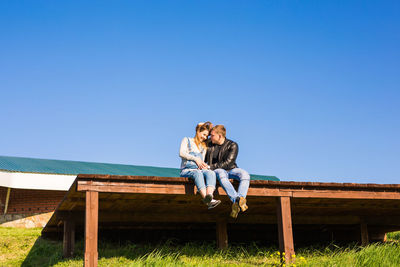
(237, 174)
(202, 178)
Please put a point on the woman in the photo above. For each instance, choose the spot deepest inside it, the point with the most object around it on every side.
(192, 152)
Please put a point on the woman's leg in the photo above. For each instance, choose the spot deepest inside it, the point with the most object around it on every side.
(198, 178)
(211, 180)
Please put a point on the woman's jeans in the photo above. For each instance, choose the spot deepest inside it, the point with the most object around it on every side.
(202, 178)
(237, 174)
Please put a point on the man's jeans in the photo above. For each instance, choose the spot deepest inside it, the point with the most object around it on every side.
(202, 178)
(237, 174)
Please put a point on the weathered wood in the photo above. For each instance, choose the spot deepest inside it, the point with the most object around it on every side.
(69, 238)
(364, 234)
(91, 228)
(133, 188)
(285, 231)
(222, 233)
(280, 184)
(345, 194)
(147, 187)
(309, 203)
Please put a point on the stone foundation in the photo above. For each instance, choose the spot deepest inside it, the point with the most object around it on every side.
(24, 220)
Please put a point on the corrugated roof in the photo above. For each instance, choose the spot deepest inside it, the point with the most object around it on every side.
(32, 165)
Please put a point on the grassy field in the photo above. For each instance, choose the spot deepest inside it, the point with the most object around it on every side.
(24, 247)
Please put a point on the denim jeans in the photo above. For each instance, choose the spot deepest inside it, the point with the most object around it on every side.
(202, 178)
(237, 174)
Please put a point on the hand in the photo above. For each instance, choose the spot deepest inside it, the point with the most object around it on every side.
(201, 164)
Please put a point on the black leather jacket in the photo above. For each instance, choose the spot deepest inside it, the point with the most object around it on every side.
(226, 156)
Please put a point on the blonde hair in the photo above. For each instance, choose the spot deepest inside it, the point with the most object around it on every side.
(219, 129)
(199, 128)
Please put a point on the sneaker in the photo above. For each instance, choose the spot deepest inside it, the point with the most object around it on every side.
(235, 210)
(213, 203)
(242, 203)
(207, 199)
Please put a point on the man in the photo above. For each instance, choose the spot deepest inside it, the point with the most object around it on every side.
(221, 157)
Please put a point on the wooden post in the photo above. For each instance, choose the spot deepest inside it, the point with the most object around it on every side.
(7, 200)
(91, 228)
(364, 234)
(285, 231)
(69, 238)
(222, 234)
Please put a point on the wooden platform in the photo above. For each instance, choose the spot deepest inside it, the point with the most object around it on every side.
(361, 212)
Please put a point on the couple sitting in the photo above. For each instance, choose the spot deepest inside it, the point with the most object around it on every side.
(206, 160)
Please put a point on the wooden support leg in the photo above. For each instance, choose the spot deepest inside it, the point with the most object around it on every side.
(285, 228)
(364, 235)
(69, 238)
(91, 228)
(222, 234)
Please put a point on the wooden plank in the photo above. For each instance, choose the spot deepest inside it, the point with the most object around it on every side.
(91, 228)
(159, 188)
(271, 192)
(253, 183)
(222, 233)
(345, 194)
(285, 231)
(69, 238)
(135, 188)
(364, 234)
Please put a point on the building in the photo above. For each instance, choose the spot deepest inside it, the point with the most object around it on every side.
(31, 189)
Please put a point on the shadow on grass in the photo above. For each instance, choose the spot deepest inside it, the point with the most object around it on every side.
(49, 253)
(44, 253)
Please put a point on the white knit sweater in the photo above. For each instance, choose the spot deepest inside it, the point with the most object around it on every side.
(185, 149)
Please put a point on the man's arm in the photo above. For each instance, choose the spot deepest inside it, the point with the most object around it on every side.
(230, 159)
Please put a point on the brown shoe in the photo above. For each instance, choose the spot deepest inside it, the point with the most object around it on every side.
(242, 204)
(235, 210)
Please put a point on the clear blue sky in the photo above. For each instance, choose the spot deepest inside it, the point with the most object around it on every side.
(309, 89)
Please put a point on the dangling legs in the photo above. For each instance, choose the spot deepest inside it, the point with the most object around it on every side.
(244, 183)
(200, 179)
(211, 180)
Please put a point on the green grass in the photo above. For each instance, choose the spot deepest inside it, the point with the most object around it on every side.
(24, 247)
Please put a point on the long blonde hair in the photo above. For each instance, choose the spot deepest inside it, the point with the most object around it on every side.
(199, 128)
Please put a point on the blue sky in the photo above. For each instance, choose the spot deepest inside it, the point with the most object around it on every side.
(309, 89)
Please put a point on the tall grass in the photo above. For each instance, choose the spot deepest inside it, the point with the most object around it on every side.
(24, 247)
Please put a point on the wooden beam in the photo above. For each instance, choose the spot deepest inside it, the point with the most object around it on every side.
(91, 228)
(285, 231)
(253, 182)
(345, 194)
(185, 188)
(364, 234)
(222, 234)
(69, 238)
(181, 215)
(145, 188)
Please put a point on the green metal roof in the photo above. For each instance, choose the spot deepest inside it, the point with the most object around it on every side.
(32, 165)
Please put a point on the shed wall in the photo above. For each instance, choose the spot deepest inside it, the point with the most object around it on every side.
(26, 207)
